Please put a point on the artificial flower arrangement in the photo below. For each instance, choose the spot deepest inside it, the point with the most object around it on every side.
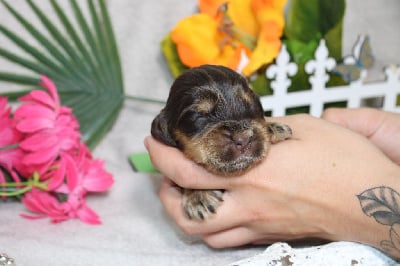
(43, 160)
(246, 35)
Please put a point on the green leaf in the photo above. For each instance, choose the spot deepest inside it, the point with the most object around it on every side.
(81, 58)
(308, 20)
(260, 84)
(168, 48)
(302, 52)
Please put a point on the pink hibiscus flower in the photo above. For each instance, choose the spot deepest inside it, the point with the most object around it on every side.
(8, 137)
(49, 129)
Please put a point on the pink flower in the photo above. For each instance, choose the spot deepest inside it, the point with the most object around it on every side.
(78, 168)
(49, 128)
(8, 137)
(42, 143)
(87, 173)
(43, 204)
(46, 205)
(77, 173)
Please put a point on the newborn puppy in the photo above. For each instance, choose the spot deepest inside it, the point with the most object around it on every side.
(217, 121)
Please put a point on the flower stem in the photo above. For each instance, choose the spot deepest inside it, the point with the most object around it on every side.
(9, 147)
(23, 187)
(143, 99)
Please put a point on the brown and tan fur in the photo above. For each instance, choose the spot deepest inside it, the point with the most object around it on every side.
(218, 122)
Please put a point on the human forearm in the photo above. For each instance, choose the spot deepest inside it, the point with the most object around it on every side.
(310, 186)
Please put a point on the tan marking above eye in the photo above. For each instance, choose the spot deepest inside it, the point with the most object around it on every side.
(245, 96)
(207, 99)
(205, 105)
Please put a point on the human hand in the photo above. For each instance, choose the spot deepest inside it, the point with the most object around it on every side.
(382, 128)
(305, 188)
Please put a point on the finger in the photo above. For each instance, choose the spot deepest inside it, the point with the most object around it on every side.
(171, 198)
(234, 237)
(222, 220)
(365, 121)
(182, 171)
(242, 235)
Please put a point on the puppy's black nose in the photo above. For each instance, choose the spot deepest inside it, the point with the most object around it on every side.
(241, 140)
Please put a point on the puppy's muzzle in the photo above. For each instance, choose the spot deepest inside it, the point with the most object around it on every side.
(229, 146)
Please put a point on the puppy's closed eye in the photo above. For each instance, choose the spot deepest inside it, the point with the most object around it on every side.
(217, 121)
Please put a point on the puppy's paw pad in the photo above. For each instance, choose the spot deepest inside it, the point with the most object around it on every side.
(200, 204)
(279, 132)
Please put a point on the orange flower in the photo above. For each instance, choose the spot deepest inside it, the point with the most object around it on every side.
(267, 48)
(192, 35)
(226, 29)
(210, 7)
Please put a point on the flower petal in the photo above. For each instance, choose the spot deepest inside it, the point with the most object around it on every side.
(35, 142)
(97, 179)
(196, 38)
(265, 10)
(34, 124)
(72, 172)
(210, 7)
(268, 47)
(39, 97)
(87, 215)
(40, 202)
(57, 177)
(51, 87)
(41, 156)
(28, 110)
(241, 14)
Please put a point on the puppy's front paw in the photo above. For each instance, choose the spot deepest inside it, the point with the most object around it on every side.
(279, 132)
(200, 204)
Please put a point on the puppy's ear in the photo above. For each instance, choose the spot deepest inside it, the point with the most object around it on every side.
(160, 131)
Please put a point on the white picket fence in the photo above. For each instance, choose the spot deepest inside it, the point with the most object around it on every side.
(354, 94)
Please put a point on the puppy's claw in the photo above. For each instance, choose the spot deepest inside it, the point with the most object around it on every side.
(211, 208)
(200, 204)
(200, 214)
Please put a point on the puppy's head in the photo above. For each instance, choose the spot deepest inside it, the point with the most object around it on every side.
(215, 119)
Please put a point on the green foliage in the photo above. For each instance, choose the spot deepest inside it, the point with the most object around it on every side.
(82, 60)
(310, 20)
(170, 53)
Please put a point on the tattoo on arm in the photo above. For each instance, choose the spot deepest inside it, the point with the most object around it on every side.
(383, 204)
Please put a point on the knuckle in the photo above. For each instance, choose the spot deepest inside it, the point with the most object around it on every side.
(302, 117)
(329, 114)
(186, 228)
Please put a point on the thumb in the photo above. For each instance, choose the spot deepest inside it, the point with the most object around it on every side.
(381, 128)
(365, 121)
